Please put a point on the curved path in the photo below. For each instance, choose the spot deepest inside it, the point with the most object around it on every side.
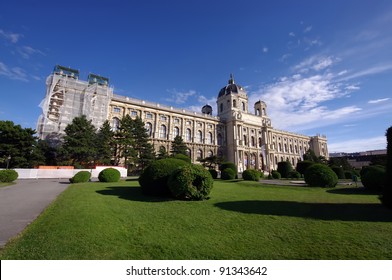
(21, 203)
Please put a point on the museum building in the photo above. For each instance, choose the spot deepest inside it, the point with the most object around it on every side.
(244, 137)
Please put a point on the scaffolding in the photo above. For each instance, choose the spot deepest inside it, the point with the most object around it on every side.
(68, 97)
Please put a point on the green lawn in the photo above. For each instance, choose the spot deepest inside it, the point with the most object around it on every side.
(242, 220)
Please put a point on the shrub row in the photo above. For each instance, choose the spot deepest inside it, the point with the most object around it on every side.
(106, 175)
(251, 175)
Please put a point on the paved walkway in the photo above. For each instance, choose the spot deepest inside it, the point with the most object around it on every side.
(23, 202)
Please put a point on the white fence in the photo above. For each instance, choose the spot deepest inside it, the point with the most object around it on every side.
(62, 173)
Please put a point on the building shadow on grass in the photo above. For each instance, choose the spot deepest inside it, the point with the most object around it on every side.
(132, 193)
(352, 190)
(317, 211)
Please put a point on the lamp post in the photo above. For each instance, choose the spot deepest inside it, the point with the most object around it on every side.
(8, 161)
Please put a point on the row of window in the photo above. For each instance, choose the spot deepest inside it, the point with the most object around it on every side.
(289, 149)
(199, 153)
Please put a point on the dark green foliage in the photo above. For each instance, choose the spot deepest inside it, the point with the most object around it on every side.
(178, 146)
(105, 144)
(228, 174)
(80, 177)
(162, 153)
(303, 165)
(190, 182)
(294, 174)
(79, 141)
(154, 177)
(320, 175)
(251, 175)
(386, 197)
(340, 161)
(373, 177)
(275, 174)
(214, 173)
(183, 157)
(8, 175)
(284, 168)
(348, 174)
(211, 162)
(109, 175)
(338, 171)
(18, 146)
(230, 165)
(311, 156)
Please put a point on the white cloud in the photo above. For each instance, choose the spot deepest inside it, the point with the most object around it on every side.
(376, 101)
(14, 73)
(292, 34)
(284, 57)
(12, 37)
(265, 50)
(27, 51)
(308, 29)
(357, 145)
(370, 71)
(316, 63)
(179, 97)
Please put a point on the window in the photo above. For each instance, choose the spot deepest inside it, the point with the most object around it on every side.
(199, 154)
(220, 140)
(116, 110)
(258, 112)
(210, 154)
(188, 135)
(243, 106)
(245, 140)
(260, 142)
(148, 116)
(235, 103)
(252, 141)
(162, 131)
(176, 120)
(188, 153)
(163, 118)
(279, 147)
(176, 131)
(221, 107)
(264, 112)
(209, 138)
(148, 127)
(199, 136)
(115, 124)
(133, 113)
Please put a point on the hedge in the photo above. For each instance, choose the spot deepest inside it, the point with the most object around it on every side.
(153, 180)
(251, 175)
(228, 174)
(373, 178)
(80, 177)
(320, 175)
(190, 182)
(8, 175)
(284, 168)
(303, 165)
(109, 175)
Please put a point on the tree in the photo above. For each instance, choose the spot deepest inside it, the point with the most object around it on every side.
(162, 153)
(79, 141)
(17, 145)
(311, 156)
(211, 162)
(178, 146)
(142, 146)
(125, 141)
(104, 144)
(386, 198)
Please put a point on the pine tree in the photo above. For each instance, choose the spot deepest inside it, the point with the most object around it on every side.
(178, 146)
(104, 144)
(125, 141)
(79, 141)
(142, 146)
(162, 153)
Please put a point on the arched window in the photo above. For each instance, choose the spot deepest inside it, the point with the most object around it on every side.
(162, 131)
(188, 135)
(264, 112)
(258, 112)
(234, 103)
(199, 136)
(260, 142)
(253, 160)
(243, 106)
(221, 107)
(115, 124)
(188, 153)
(285, 148)
(291, 148)
(252, 141)
(199, 154)
(209, 138)
(279, 147)
(245, 140)
(210, 154)
(148, 127)
(276, 160)
(220, 140)
(176, 131)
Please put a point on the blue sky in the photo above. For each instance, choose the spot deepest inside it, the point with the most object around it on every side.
(321, 66)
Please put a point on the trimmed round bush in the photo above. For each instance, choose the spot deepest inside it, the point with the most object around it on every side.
(373, 178)
(284, 168)
(109, 175)
(154, 177)
(8, 175)
(225, 165)
(80, 177)
(275, 174)
(228, 174)
(251, 175)
(214, 173)
(294, 174)
(320, 175)
(183, 157)
(338, 171)
(190, 182)
(303, 165)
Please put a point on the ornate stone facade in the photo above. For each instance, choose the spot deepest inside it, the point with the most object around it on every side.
(245, 138)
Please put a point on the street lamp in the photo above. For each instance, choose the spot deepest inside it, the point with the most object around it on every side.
(8, 161)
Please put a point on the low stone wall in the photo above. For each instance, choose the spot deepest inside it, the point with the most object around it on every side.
(62, 173)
